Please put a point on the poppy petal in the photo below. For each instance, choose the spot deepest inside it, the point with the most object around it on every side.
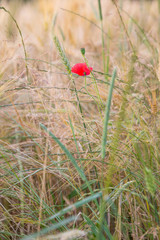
(81, 69)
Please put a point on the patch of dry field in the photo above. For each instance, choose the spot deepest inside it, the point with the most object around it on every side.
(37, 178)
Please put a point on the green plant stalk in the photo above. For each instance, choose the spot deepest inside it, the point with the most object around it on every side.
(107, 63)
(75, 140)
(121, 118)
(68, 68)
(116, 137)
(109, 200)
(43, 186)
(100, 235)
(92, 97)
(21, 177)
(96, 87)
(21, 194)
(81, 111)
(20, 33)
(107, 57)
(107, 112)
(103, 46)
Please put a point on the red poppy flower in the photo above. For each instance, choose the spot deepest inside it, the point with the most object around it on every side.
(81, 69)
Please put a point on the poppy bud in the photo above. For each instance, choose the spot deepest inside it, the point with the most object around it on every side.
(83, 51)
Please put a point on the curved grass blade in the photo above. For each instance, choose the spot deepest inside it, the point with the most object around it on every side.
(22, 39)
(73, 160)
(75, 205)
(50, 228)
(69, 155)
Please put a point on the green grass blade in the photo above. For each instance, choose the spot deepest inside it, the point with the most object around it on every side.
(75, 205)
(72, 128)
(50, 228)
(103, 45)
(107, 112)
(69, 155)
(100, 10)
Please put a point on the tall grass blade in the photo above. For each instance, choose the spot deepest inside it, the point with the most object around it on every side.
(103, 227)
(102, 35)
(100, 10)
(75, 140)
(107, 112)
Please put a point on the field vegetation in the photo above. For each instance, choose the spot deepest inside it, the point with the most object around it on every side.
(80, 155)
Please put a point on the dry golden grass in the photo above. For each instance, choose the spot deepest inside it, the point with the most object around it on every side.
(37, 178)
